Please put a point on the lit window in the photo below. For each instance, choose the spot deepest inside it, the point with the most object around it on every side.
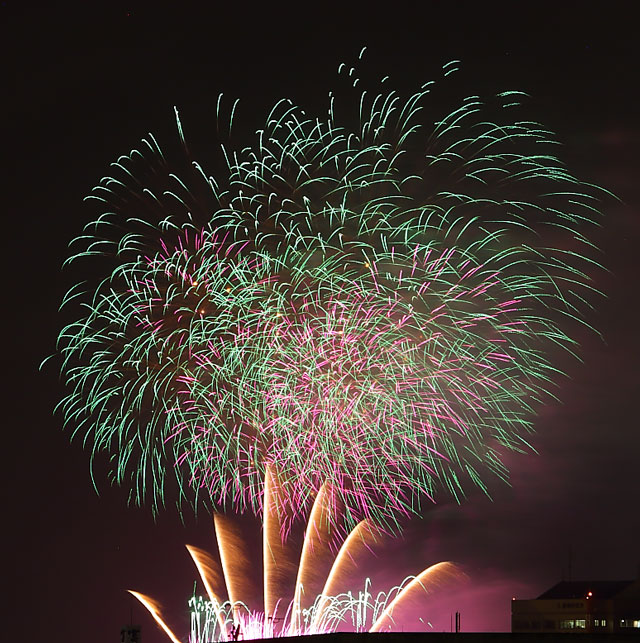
(567, 624)
(581, 623)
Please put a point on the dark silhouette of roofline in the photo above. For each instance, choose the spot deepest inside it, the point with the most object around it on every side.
(580, 589)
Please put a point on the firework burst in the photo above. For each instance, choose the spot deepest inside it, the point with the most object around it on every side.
(375, 306)
(224, 614)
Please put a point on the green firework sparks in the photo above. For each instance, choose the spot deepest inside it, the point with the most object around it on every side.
(377, 305)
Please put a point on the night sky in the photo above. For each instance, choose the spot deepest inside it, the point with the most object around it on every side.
(82, 86)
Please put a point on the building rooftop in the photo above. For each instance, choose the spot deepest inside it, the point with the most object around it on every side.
(580, 589)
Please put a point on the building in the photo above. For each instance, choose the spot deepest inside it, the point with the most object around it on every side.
(581, 607)
(130, 634)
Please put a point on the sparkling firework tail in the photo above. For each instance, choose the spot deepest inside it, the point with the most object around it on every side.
(235, 564)
(428, 580)
(360, 538)
(334, 608)
(209, 573)
(317, 536)
(273, 536)
(154, 609)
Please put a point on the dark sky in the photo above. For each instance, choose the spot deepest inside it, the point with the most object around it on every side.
(81, 86)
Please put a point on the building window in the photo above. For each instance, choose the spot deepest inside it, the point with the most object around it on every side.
(573, 623)
(581, 623)
(629, 622)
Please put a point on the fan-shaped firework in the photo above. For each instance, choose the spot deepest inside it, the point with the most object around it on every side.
(375, 306)
(336, 607)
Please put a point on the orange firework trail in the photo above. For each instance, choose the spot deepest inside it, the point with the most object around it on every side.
(336, 606)
(209, 574)
(316, 538)
(235, 565)
(427, 581)
(345, 563)
(274, 555)
(154, 609)
(207, 568)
